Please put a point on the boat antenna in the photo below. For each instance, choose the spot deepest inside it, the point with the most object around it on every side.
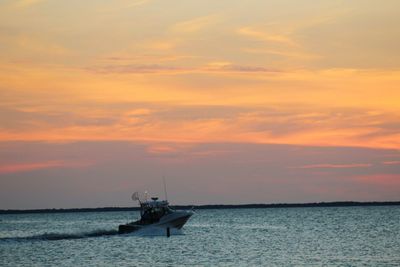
(165, 189)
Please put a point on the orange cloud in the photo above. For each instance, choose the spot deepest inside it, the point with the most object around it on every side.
(266, 37)
(158, 122)
(213, 67)
(194, 25)
(27, 3)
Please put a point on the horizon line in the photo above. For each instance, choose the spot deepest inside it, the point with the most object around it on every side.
(211, 206)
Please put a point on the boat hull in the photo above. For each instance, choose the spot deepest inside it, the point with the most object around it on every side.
(176, 220)
(128, 228)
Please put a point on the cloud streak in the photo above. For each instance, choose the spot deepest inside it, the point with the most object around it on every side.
(266, 37)
(334, 166)
(27, 3)
(176, 70)
(394, 162)
(194, 25)
(33, 166)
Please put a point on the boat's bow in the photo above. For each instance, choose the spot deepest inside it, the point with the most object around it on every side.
(175, 219)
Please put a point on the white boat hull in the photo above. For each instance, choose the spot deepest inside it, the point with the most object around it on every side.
(173, 220)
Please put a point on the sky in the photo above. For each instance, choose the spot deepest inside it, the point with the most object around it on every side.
(259, 101)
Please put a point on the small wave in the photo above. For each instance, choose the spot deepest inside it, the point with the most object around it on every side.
(62, 236)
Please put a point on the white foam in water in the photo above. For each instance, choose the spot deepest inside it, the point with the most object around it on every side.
(63, 236)
(146, 231)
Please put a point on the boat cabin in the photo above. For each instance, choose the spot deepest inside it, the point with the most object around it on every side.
(152, 211)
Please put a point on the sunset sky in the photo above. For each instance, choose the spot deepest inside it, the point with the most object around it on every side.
(259, 101)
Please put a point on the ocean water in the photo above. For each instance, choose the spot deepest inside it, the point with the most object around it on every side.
(333, 236)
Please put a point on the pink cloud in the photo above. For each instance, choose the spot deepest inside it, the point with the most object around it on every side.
(334, 166)
(395, 162)
(161, 149)
(380, 179)
(26, 167)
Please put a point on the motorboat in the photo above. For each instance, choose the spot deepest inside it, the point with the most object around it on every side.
(156, 213)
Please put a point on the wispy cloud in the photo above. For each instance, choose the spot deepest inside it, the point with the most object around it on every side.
(394, 162)
(295, 54)
(136, 3)
(334, 166)
(169, 69)
(194, 25)
(120, 5)
(28, 47)
(32, 166)
(266, 37)
(231, 67)
(136, 68)
(27, 3)
(161, 149)
(384, 179)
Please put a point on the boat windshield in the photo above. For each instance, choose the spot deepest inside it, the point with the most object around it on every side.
(153, 212)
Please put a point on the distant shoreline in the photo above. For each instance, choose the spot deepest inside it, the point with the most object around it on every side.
(197, 207)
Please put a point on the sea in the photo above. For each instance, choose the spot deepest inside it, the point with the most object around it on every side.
(313, 236)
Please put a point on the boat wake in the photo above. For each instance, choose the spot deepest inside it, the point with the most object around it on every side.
(62, 236)
(146, 231)
(156, 231)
